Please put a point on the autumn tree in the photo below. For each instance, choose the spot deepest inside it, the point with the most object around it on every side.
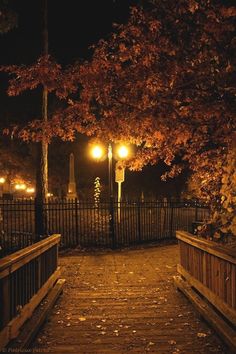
(165, 81)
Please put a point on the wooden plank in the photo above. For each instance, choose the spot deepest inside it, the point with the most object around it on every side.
(227, 333)
(15, 324)
(14, 261)
(223, 307)
(33, 325)
(208, 246)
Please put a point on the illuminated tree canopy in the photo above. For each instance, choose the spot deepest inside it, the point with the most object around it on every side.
(166, 82)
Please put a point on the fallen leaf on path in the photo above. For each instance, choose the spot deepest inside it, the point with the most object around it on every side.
(171, 341)
(201, 335)
(82, 319)
(151, 343)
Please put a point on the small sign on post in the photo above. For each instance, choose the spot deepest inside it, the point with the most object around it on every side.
(120, 174)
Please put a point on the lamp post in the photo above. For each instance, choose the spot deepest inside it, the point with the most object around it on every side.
(110, 174)
(97, 153)
(111, 200)
(2, 181)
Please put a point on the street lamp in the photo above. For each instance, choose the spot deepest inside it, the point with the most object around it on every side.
(98, 153)
(121, 152)
(2, 181)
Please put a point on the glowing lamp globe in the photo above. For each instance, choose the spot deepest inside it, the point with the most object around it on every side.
(97, 152)
(123, 152)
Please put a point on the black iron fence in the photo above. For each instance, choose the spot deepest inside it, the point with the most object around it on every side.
(16, 225)
(82, 223)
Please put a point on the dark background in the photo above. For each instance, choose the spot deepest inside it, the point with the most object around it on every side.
(74, 26)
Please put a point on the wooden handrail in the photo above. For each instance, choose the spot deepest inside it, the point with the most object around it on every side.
(14, 261)
(38, 263)
(205, 245)
(208, 278)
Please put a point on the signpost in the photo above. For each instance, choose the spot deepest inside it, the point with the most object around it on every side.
(119, 178)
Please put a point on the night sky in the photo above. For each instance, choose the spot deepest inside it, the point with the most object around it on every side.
(73, 27)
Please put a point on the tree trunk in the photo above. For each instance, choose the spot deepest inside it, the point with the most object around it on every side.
(41, 217)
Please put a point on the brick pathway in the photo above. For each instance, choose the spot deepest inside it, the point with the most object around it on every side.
(124, 302)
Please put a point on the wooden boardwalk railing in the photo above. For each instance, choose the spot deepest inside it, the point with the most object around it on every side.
(25, 278)
(210, 269)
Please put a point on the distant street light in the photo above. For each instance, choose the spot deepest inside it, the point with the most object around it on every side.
(30, 190)
(20, 186)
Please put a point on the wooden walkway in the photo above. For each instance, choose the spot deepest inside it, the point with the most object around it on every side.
(124, 302)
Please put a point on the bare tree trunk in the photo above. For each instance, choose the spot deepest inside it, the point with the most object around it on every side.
(41, 217)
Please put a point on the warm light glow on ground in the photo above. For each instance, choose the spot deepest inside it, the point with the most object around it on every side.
(97, 152)
(123, 152)
(2, 180)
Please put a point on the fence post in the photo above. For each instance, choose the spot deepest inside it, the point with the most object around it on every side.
(139, 221)
(76, 222)
(171, 218)
(40, 219)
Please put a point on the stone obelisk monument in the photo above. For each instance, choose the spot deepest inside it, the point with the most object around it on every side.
(72, 185)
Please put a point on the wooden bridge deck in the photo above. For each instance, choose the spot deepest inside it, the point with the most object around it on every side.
(124, 302)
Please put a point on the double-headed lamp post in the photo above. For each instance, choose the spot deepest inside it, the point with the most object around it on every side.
(2, 181)
(122, 152)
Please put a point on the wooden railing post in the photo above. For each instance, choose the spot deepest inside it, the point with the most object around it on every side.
(204, 268)
(38, 270)
(5, 298)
